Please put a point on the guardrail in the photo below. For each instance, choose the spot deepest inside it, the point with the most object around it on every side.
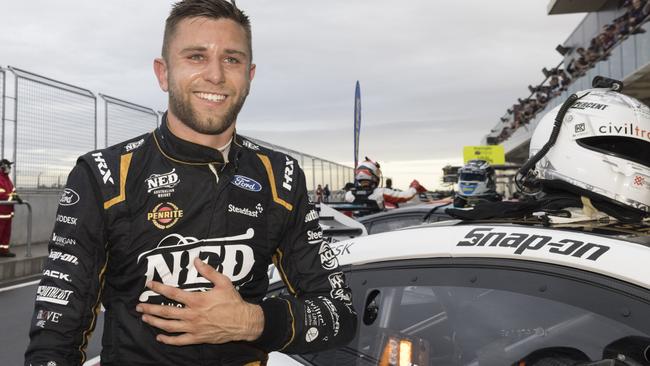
(28, 253)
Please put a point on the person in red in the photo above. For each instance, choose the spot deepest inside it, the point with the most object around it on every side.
(7, 193)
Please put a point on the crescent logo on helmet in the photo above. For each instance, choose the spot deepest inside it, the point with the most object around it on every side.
(570, 146)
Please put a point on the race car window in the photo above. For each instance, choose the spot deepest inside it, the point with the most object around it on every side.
(394, 223)
(490, 313)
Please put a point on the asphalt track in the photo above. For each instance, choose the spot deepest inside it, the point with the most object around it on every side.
(17, 304)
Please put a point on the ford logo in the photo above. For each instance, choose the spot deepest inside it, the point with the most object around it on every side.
(69, 197)
(246, 183)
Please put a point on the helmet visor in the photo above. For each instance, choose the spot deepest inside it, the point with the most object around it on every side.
(472, 177)
(627, 148)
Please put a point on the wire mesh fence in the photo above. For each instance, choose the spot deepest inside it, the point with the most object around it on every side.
(47, 124)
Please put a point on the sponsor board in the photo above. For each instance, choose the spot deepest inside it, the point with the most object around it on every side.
(165, 215)
(162, 185)
(103, 168)
(69, 197)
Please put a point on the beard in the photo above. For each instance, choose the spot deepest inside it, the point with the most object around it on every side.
(181, 107)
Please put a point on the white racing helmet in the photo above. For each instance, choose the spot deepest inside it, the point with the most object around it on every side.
(368, 170)
(603, 148)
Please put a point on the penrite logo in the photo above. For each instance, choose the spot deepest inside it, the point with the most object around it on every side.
(162, 185)
(288, 174)
(171, 262)
(133, 145)
(165, 215)
(69, 197)
(53, 294)
(103, 168)
(484, 236)
(246, 183)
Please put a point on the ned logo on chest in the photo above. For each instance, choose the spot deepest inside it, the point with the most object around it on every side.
(171, 262)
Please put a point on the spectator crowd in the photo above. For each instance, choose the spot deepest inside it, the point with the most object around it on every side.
(558, 79)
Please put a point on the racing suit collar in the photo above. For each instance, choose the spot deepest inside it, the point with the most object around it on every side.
(183, 151)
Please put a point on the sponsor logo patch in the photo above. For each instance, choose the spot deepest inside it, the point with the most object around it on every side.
(66, 219)
(245, 211)
(625, 129)
(58, 275)
(165, 215)
(327, 257)
(59, 256)
(62, 241)
(314, 237)
(520, 242)
(53, 295)
(171, 263)
(246, 183)
(162, 185)
(589, 105)
(311, 215)
(133, 145)
(69, 197)
(336, 280)
(103, 168)
(580, 127)
(288, 174)
(311, 335)
(639, 182)
(250, 145)
(48, 316)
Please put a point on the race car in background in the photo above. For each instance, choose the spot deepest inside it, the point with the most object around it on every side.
(476, 182)
(495, 293)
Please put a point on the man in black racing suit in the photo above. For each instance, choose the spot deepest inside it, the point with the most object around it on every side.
(146, 209)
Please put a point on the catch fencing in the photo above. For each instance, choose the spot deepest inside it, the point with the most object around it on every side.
(47, 124)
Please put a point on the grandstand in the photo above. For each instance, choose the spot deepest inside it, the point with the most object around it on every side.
(626, 58)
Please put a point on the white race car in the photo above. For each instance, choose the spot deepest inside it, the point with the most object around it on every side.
(458, 293)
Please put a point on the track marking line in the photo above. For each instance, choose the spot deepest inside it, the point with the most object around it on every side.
(19, 285)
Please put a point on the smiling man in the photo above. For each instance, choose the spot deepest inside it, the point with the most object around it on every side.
(173, 231)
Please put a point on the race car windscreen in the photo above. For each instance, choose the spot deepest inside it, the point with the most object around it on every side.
(472, 177)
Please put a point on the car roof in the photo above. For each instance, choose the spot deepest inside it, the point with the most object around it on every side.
(422, 208)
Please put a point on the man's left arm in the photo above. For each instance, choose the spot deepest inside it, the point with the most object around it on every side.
(317, 314)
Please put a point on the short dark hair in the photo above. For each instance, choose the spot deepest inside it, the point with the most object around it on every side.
(213, 9)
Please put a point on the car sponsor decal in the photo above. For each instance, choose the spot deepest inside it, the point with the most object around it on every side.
(171, 262)
(342, 249)
(162, 185)
(288, 174)
(103, 168)
(246, 183)
(69, 197)
(165, 215)
(522, 242)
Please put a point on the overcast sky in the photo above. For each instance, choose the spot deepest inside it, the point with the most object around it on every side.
(435, 75)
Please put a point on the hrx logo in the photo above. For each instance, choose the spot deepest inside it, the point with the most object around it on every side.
(103, 168)
(288, 174)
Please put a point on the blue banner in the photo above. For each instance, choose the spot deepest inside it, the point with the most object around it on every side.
(357, 123)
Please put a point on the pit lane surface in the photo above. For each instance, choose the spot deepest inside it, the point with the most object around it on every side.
(17, 304)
